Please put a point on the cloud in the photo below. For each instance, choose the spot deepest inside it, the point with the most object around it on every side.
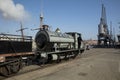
(10, 10)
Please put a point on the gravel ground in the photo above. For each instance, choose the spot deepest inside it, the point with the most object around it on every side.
(94, 64)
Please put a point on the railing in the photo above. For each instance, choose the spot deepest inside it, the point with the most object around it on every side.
(10, 37)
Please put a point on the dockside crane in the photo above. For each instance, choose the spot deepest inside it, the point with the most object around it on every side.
(103, 31)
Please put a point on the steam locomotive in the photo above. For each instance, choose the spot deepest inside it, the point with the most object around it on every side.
(54, 45)
(50, 46)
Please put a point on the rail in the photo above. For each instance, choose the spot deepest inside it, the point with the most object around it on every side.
(10, 37)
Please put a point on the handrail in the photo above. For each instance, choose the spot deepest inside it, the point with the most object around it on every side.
(15, 37)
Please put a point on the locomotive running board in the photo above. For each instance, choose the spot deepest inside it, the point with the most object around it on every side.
(65, 51)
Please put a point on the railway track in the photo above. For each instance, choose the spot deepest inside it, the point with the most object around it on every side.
(31, 68)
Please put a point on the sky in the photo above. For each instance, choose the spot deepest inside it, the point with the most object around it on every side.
(81, 16)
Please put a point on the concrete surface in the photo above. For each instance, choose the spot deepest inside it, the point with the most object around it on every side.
(95, 64)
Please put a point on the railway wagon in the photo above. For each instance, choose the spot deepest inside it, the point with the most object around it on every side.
(13, 48)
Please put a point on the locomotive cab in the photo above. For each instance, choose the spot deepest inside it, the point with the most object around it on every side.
(78, 42)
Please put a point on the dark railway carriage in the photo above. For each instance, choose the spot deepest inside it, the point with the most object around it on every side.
(15, 44)
(12, 49)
